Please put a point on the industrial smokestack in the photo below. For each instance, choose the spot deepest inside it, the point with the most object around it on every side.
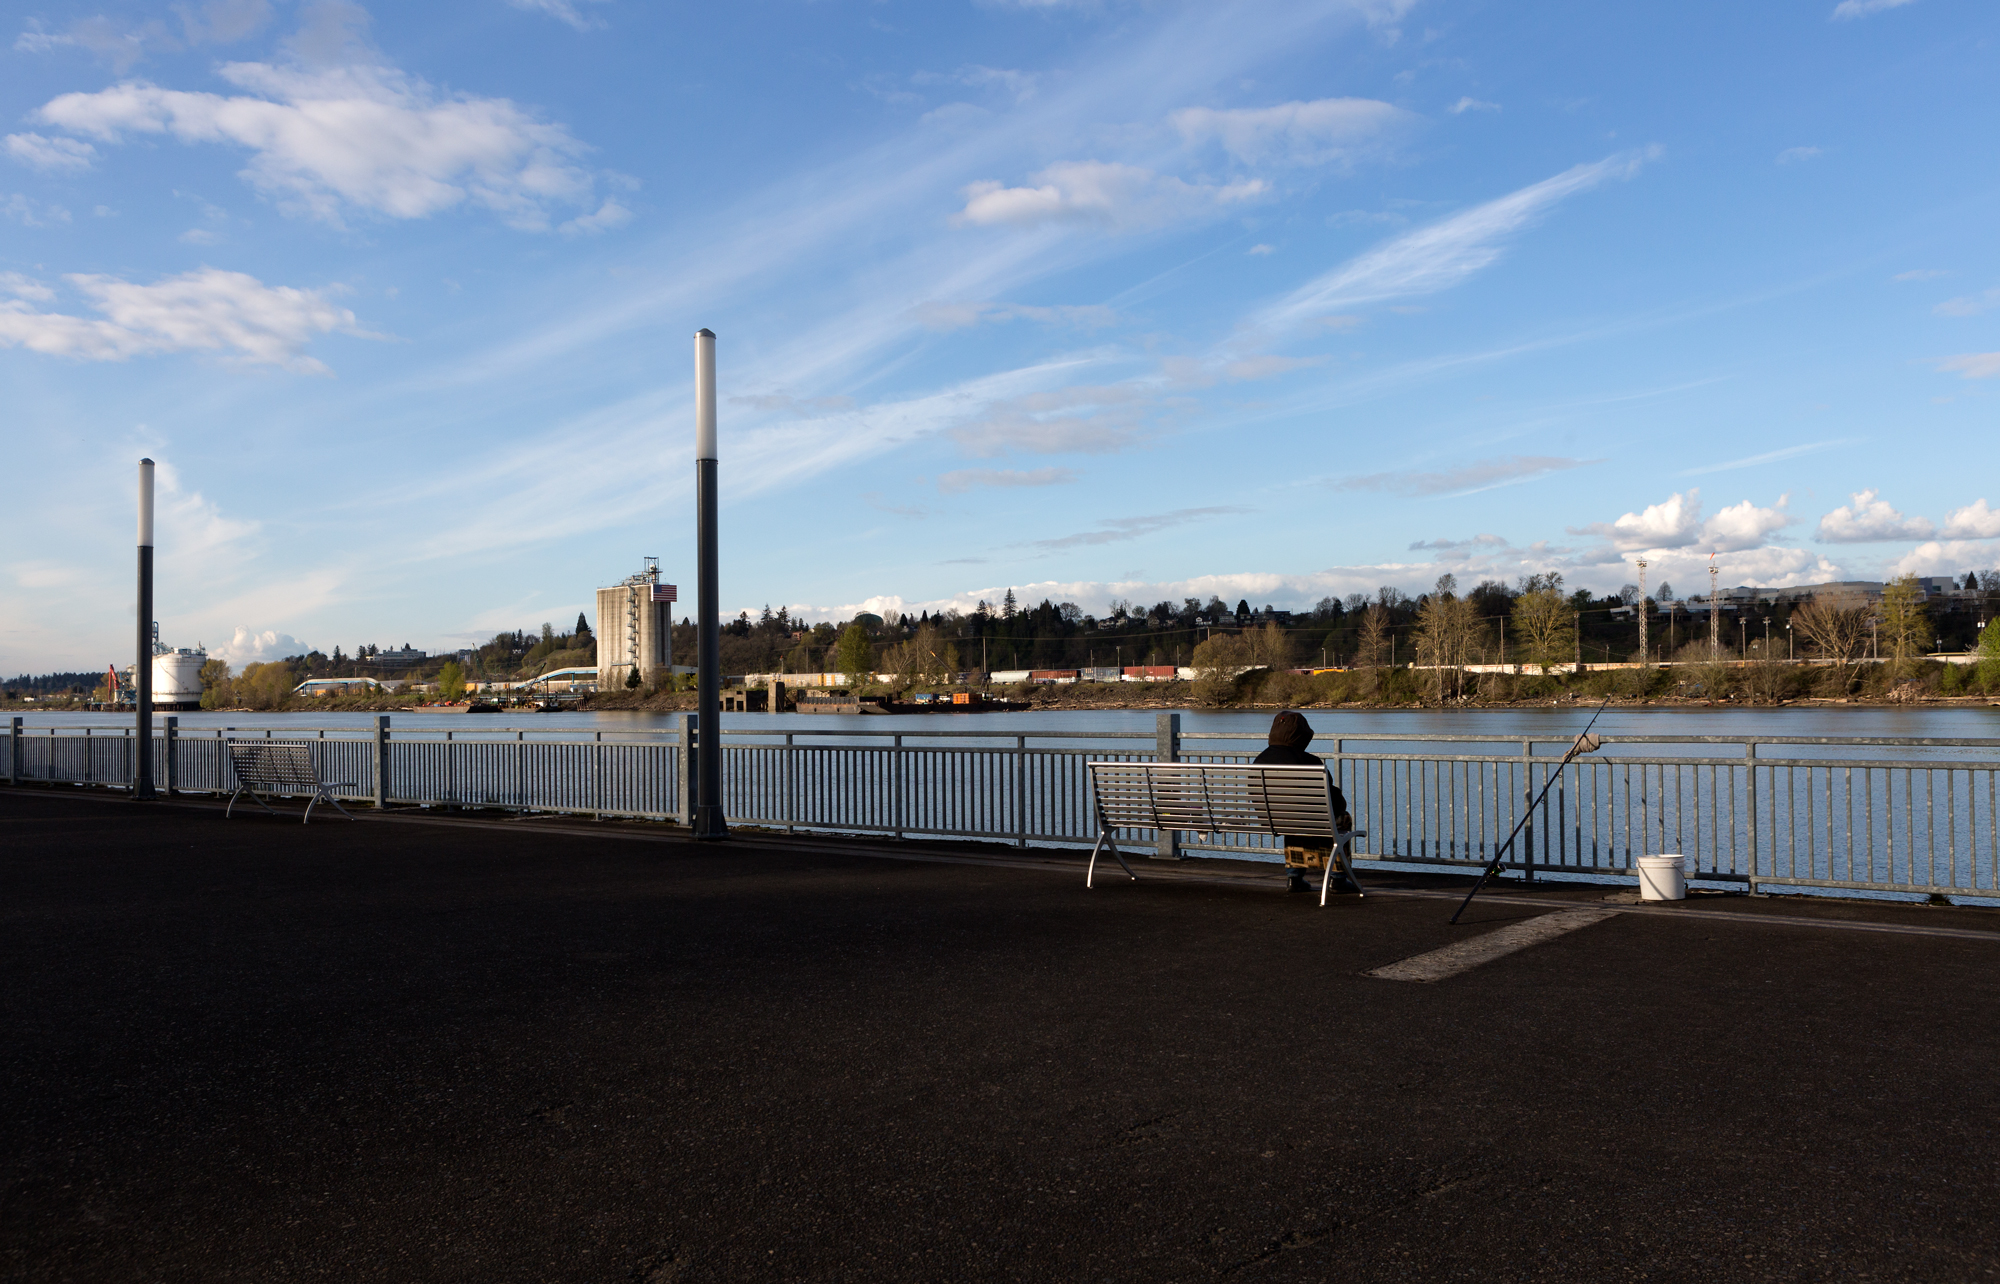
(142, 668)
(709, 821)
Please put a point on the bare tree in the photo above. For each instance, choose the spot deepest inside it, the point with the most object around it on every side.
(925, 658)
(1447, 632)
(1834, 623)
(1374, 636)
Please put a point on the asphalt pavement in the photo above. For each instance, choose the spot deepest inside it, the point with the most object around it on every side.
(403, 1049)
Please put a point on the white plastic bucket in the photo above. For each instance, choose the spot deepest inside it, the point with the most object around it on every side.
(1663, 878)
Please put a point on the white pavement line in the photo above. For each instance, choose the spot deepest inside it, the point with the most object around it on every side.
(1465, 955)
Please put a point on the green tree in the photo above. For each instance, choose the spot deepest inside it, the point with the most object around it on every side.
(854, 654)
(1544, 622)
(1989, 655)
(1906, 626)
(451, 681)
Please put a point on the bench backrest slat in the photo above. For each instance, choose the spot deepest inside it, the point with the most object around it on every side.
(273, 764)
(1231, 798)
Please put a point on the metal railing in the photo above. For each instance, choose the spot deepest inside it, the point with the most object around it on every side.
(1886, 814)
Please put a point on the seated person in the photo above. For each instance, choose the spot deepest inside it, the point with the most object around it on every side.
(1290, 734)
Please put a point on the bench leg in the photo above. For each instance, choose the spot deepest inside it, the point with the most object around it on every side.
(232, 802)
(1105, 840)
(322, 796)
(246, 789)
(1342, 857)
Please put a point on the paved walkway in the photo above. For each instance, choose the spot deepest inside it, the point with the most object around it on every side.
(404, 1050)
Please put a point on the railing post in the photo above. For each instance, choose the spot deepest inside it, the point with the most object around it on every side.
(382, 790)
(1167, 748)
(1020, 791)
(791, 808)
(896, 785)
(1750, 785)
(172, 740)
(1528, 801)
(684, 804)
(14, 751)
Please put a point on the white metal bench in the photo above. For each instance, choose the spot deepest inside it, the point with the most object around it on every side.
(1212, 798)
(280, 767)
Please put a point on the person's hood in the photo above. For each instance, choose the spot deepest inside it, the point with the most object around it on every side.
(1290, 730)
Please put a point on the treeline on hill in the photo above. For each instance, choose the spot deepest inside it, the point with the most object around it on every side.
(42, 686)
(1534, 621)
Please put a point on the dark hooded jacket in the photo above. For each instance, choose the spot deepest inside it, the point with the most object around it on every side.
(1290, 734)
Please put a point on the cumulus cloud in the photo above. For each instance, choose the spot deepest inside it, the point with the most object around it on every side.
(1974, 521)
(563, 11)
(250, 646)
(364, 138)
(1445, 253)
(964, 479)
(1295, 133)
(1972, 365)
(50, 154)
(207, 310)
(1946, 557)
(1865, 519)
(1848, 10)
(1677, 523)
(1466, 479)
(942, 316)
(1123, 197)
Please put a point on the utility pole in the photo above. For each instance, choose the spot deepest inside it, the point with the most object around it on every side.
(1714, 611)
(709, 821)
(1642, 612)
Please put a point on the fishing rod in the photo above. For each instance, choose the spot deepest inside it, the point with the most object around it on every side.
(1583, 744)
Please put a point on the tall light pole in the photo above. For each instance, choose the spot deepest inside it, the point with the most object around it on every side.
(142, 669)
(1714, 611)
(1642, 612)
(709, 821)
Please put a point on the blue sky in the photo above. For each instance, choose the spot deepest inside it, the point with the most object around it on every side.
(1095, 300)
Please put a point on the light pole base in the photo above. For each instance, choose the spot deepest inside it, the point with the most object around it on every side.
(709, 824)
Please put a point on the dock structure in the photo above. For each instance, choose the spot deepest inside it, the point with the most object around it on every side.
(431, 1049)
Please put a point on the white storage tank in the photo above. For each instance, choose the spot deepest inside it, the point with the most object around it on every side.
(177, 678)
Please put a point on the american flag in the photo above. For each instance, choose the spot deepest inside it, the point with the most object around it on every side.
(666, 593)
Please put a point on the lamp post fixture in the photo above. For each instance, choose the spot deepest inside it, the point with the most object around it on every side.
(709, 822)
(142, 668)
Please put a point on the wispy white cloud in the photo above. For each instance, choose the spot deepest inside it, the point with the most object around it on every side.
(1793, 155)
(1084, 419)
(208, 310)
(563, 11)
(1847, 10)
(1464, 105)
(359, 137)
(1444, 254)
(55, 155)
(1117, 530)
(123, 43)
(1969, 305)
(1122, 197)
(25, 287)
(964, 479)
(1974, 521)
(959, 316)
(1766, 457)
(1972, 365)
(29, 212)
(1866, 518)
(1465, 479)
(1319, 132)
(1920, 274)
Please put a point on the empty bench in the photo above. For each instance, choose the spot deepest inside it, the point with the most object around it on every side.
(1218, 798)
(280, 767)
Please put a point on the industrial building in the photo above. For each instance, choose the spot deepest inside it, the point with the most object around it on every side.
(635, 628)
(176, 677)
